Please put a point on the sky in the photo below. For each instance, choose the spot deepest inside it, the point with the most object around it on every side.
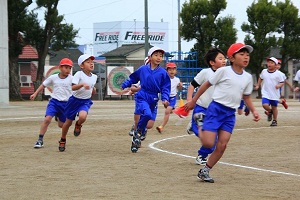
(82, 14)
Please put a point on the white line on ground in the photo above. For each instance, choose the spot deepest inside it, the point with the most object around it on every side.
(152, 146)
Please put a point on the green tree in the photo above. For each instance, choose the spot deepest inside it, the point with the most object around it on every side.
(290, 29)
(200, 21)
(262, 23)
(54, 34)
(17, 18)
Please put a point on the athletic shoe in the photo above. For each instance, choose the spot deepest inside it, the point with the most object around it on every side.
(284, 104)
(39, 144)
(200, 160)
(77, 129)
(189, 128)
(246, 111)
(62, 146)
(203, 174)
(274, 123)
(131, 132)
(136, 142)
(269, 115)
(159, 129)
(199, 117)
(143, 135)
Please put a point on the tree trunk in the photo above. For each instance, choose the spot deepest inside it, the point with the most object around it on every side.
(14, 80)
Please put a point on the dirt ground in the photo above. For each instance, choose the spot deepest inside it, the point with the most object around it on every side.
(261, 162)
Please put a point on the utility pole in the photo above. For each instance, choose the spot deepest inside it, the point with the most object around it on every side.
(179, 38)
(146, 29)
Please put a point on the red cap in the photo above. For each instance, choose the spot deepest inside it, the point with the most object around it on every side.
(66, 61)
(170, 65)
(236, 47)
(279, 61)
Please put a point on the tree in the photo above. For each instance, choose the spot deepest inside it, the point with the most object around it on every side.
(54, 34)
(200, 21)
(16, 19)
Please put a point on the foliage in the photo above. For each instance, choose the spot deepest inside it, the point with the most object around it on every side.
(200, 21)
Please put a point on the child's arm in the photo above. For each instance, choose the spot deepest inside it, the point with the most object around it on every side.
(248, 102)
(290, 86)
(179, 86)
(40, 88)
(190, 92)
(258, 84)
(78, 86)
(190, 105)
(279, 85)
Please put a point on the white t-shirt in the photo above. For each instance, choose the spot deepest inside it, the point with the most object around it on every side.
(200, 78)
(230, 86)
(282, 74)
(174, 83)
(270, 80)
(62, 87)
(80, 77)
(297, 77)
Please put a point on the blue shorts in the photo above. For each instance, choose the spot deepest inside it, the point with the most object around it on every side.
(197, 109)
(76, 105)
(219, 117)
(172, 102)
(140, 107)
(56, 108)
(269, 102)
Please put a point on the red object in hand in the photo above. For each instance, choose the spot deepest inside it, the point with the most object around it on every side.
(181, 112)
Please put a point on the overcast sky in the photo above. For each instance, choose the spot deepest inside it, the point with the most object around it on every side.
(82, 14)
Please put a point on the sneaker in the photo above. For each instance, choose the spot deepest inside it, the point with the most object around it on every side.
(199, 117)
(200, 160)
(189, 128)
(136, 142)
(62, 146)
(131, 132)
(39, 144)
(77, 129)
(159, 129)
(56, 118)
(203, 174)
(269, 115)
(274, 123)
(284, 104)
(143, 135)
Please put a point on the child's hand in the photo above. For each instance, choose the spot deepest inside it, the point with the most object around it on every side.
(32, 97)
(189, 106)
(165, 103)
(256, 87)
(87, 87)
(256, 116)
(296, 89)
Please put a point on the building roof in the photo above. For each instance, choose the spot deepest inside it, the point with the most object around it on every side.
(124, 50)
(29, 52)
(56, 56)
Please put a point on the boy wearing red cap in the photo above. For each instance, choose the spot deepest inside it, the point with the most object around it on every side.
(154, 80)
(230, 84)
(175, 86)
(61, 91)
(79, 103)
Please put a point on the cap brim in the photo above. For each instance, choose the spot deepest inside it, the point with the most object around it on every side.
(248, 47)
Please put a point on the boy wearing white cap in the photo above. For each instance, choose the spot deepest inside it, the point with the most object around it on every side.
(272, 82)
(230, 84)
(61, 84)
(154, 80)
(79, 103)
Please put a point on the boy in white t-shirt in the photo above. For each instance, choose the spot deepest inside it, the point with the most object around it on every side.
(297, 79)
(175, 86)
(61, 84)
(215, 58)
(272, 81)
(79, 103)
(282, 100)
(231, 83)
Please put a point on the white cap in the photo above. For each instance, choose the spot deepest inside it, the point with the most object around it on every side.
(84, 57)
(274, 60)
(151, 51)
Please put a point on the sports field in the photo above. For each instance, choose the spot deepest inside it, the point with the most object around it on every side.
(261, 162)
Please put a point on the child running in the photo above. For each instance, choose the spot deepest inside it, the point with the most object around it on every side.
(154, 80)
(175, 86)
(62, 90)
(231, 84)
(215, 58)
(272, 81)
(282, 100)
(80, 102)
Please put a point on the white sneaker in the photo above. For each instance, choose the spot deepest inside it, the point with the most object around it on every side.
(199, 117)
(131, 132)
(38, 144)
(189, 129)
(200, 160)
